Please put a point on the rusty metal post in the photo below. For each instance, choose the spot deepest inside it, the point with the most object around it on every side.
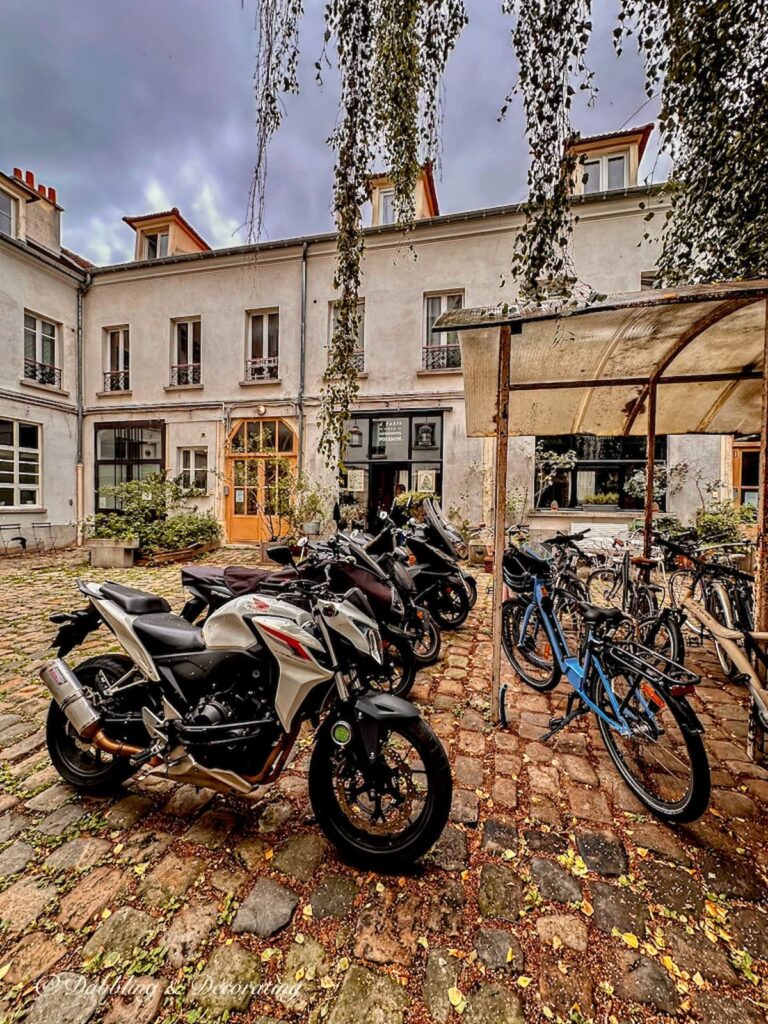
(649, 468)
(500, 507)
(761, 561)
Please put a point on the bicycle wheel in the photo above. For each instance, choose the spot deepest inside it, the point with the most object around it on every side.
(645, 602)
(679, 581)
(529, 653)
(604, 588)
(662, 633)
(719, 607)
(661, 760)
(568, 596)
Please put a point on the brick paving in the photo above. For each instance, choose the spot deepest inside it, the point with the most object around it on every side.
(551, 895)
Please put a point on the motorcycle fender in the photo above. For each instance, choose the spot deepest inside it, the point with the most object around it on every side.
(373, 712)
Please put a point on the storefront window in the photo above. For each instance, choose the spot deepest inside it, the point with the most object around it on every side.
(126, 452)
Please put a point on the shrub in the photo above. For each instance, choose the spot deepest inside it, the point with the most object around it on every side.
(610, 498)
(157, 513)
(719, 521)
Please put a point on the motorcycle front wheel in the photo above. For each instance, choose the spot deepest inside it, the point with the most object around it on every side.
(385, 817)
(449, 605)
(398, 673)
(426, 648)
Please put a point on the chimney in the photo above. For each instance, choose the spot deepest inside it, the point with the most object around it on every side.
(43, 191)
(17, 173)
(52, 195)
(30, 179)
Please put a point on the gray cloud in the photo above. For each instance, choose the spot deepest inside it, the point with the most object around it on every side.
(127, 107)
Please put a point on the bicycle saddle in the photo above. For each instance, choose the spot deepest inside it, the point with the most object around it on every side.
(594, 615)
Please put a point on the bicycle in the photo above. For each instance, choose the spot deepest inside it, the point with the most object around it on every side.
(656, 626)
(638, 696)
(741, 644)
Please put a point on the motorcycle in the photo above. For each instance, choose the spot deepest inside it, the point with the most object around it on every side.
(221, 706)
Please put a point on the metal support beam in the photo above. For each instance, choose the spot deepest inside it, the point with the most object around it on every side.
(761, 567)
(500, 508)
(650, 466)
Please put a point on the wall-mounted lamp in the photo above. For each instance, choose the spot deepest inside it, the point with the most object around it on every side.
(355, 436)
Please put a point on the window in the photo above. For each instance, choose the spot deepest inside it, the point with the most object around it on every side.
(7, 214)
(156, 245)
(387, 206)
(185, 365)
(603, 467)
(261, 360)
(605, 173)
(440, 351)
(358, 357)
(40, 351)
(746, 470)
(124, 452)
(19, 463)
(117, 351)
(193, 468)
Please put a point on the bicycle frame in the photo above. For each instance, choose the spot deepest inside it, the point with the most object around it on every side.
(577, 673)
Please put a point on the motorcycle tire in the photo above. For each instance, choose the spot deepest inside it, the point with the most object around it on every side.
(449, 607)
(372, 847)
(426, 649)
(82, 765)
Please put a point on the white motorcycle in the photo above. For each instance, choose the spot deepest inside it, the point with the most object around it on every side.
(221, 706)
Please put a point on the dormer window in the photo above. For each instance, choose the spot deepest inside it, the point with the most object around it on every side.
(155, 245)
(605, 173)
(387, 206)
(7, 214)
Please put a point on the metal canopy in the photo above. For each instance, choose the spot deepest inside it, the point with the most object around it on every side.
(601, 357)
(677, 361)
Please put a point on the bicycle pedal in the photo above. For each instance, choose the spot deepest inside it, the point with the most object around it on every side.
(555, 725)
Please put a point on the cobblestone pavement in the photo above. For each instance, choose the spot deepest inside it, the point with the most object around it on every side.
(551, 894)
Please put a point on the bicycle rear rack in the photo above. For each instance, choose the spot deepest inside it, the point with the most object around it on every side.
(628, 655)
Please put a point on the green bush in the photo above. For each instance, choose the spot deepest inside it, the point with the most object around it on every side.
(611, 498)
(719, 521)
(156, 512)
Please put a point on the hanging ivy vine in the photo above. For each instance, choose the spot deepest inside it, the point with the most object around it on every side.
(707, 58)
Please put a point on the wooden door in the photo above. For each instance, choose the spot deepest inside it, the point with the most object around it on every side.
(260, 458)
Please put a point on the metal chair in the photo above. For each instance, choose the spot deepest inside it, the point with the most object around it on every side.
(42, 537)
(10, 532)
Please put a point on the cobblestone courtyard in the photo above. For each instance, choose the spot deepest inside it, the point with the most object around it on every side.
(551, 894)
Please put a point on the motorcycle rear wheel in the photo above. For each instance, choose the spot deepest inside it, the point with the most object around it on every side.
(79, 763)
(449, 606)
(426, 648)
(398, 673)
(414, 810)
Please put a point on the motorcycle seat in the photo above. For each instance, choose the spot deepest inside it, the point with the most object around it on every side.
(166, 633)
(204, 573)
(242, 580)
(132, 601)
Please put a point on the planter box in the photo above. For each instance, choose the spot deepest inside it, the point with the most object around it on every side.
(477, 552)
(600, 508)
(311, 528)
(180, 555)
(107, 553)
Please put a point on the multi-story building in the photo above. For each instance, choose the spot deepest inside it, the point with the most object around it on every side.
(208, 363)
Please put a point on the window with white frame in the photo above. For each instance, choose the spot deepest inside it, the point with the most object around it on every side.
(117, 359)
(155, 245)
(193, 468)
(387, 206)
(19, 464)
(261, 358)
(605, 173)
(7, 214)
(441, 351)
(185, 361)
(40, 345)
(358, 356)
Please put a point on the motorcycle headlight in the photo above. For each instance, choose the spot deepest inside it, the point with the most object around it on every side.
(397, 603)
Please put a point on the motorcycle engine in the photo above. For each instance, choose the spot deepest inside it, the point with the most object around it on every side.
(227, 744)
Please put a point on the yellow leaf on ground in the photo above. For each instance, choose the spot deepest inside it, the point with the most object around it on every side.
(631, 940)
(523, 981)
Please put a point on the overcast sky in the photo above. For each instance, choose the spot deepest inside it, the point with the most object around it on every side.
(130, 107)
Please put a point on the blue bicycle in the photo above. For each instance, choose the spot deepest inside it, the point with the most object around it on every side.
(638, 696)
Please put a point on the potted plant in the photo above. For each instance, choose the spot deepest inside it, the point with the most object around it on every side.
(608, 502)
(309, 506)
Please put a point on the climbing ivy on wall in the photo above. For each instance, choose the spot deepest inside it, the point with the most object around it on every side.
(705, 57)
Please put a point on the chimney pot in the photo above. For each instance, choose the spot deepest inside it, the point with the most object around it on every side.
(30, 179)
(52, 195)
(17, 173)
(42, 190)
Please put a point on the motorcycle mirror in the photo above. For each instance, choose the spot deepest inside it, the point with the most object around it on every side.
(383, 515)
(336, 512)
(280, 554)
(303, 542)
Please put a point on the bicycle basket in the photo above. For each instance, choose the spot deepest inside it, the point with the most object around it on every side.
(521, 564)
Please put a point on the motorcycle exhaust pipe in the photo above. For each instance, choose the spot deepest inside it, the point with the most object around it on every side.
(69, 695)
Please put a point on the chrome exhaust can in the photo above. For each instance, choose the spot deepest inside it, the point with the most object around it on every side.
(69, 695)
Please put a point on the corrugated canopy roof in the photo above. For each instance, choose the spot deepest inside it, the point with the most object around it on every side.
(587, 370)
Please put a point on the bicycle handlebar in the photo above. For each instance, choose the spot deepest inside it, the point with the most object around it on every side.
(708, 568)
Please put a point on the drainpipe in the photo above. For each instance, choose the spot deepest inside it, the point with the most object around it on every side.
(302, 353)
(79, 402)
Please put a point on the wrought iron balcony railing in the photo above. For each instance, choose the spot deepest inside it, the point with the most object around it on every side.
(184, 374)
(117, 380)
(358, 361)
(261, 369)
(42, 373)
(441, 357)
